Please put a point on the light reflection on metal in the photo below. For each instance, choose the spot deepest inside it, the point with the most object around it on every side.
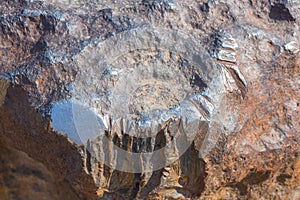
(142, 83)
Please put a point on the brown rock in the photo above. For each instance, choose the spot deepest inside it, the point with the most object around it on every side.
(3, 87)
(240, 57)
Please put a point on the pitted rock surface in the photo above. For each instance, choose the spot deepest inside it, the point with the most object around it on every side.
(211, 86)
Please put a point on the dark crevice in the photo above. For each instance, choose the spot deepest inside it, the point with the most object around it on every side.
(193, 171)
(252, 178)
(241, 85)
(280, 12)
(88, 162)
(283, 177)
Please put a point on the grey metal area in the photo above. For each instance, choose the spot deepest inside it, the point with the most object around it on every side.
(139, 87)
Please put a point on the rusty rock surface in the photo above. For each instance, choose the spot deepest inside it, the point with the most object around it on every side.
(128, 61)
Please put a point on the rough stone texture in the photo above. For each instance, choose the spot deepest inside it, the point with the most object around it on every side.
(52, 51)
(24, 178)
(4, 83)
(23, 129)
